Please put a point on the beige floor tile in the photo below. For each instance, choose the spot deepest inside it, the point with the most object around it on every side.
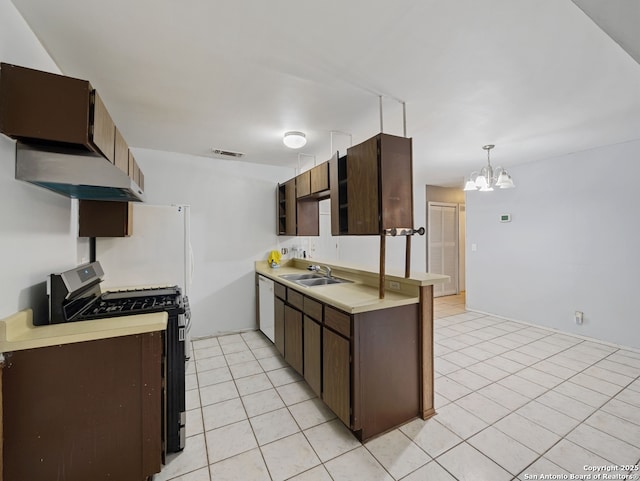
(615, 426)
(201, 474)
(548, 418)
(251, 384)
(245, 369)
(230, 339)
(542, 378)
(431, 436)
(450, 389)
(248, 466)
(214, 376)
(210, 363)
(469, 379)
(629, 396)
(527, 432)
(482, 407)
(194, 424)
(258, 343)
(228, 441)
(233, 348)
(271, 363)
(468, 464)
(522, 386)
(357, 464)
(319, 473)
(223, 413)
(282, 376)
(288, 457)
(504, 396)
(241, 357)
(543, 467)
(505, 364)
(505, 451)
(596, 384)
(430, 472)
(397, 453)
(273, 425)
(218, 392)
(582, 394)
(207, 352)
(193, 458)
(295, 392)
(573, 458)
(310, 413)
(192, 399)
(460, 421)
(609, 376)
(205, 343)
(610, 448)
(488, 371)
(566, 405)
(623, 410)
(264, 352)
(331, 439)
(262, 402)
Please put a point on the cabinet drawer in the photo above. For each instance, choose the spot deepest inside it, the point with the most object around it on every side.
(338, 321)
(280, 291)
(295, 299)
(312, 308)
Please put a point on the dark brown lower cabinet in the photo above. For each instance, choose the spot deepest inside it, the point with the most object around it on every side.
(87, 410)
(336, 374)
(373, 369)
(313, 354)
(293, 338)
(278, 323)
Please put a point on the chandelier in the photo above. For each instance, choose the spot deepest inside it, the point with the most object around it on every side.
(488, 177)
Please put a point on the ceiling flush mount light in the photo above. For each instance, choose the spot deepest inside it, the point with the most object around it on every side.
(488, 177)
(294, 139)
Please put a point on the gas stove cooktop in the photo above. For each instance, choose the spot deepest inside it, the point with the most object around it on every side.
(138, 301)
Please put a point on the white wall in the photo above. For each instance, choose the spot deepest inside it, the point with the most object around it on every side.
(233, 224)
(38, 229)
(572, 244)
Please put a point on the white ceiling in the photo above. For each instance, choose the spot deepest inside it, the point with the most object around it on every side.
(536, 78)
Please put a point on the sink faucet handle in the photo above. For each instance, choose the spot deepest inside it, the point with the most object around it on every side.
(313, 268)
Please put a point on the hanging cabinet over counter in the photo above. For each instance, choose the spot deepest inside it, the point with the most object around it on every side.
(372, 187)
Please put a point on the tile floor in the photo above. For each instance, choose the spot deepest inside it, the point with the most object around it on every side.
(513, 401)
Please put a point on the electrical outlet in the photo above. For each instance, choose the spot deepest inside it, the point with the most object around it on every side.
(284, 250)
(394, 285)
(579, 317)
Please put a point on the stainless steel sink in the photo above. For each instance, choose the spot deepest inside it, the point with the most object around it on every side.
(311, 280)
(298, 277)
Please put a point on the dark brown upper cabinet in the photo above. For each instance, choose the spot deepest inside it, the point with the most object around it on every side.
(45, 108)
(320, 179)
(48, 108)
(98, 218)
(296, 216)
(372, 187)
(303, 184)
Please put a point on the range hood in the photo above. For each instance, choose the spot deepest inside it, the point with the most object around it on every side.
(74, 173)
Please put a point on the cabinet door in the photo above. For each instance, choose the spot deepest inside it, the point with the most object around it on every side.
(103, 130)
(290, 207)
(278, 324)
(336, 375)
(293, 338)
(121, 153)
(396, 184)
(44, 106)
(312, 354)
(303, 184)
(362, 188)
(98, 218)
(320, 178)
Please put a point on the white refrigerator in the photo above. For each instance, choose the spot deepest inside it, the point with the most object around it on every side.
(158, 253)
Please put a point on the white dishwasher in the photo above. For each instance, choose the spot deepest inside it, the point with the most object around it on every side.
(266, 303)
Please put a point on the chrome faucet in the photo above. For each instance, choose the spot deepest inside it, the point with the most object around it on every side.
(317, 269)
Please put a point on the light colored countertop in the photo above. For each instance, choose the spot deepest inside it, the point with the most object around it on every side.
(17, 332)
(361, 295)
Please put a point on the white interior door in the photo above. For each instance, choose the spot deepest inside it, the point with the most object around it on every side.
(443, 246)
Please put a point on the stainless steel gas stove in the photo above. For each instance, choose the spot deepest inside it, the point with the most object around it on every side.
(75, 295)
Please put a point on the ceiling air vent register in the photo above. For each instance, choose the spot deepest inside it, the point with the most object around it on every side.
(226, 154)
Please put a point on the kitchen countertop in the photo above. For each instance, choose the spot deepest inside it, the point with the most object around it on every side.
(362, 294)
(17, 332)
